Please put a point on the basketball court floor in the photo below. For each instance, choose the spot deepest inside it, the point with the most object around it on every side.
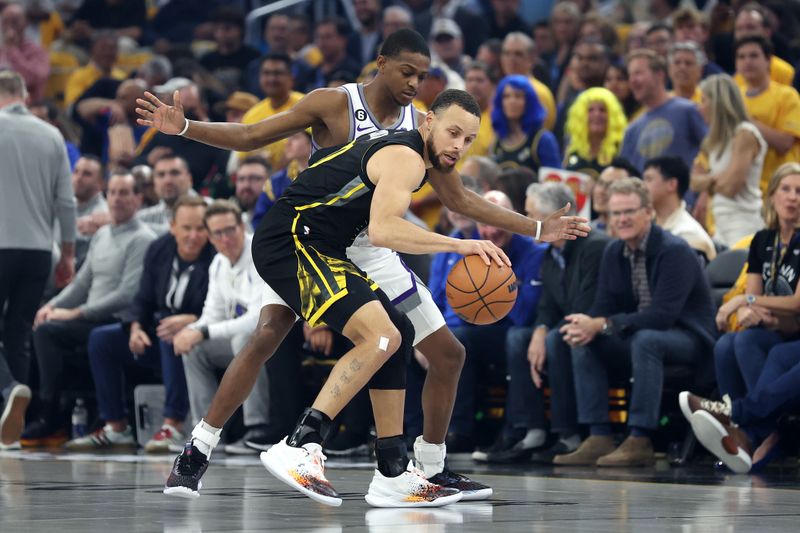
(65, 493)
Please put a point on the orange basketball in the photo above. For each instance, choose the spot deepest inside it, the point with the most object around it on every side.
(481, 294)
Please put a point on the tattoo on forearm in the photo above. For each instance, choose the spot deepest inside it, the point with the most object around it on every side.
(355, 365)
(346, 379)
(336, 391)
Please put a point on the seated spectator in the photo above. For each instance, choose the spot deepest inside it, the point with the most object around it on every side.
(207, 164)
(765, 315)
(363, 44)
(447, 45)
(735, 151)
(743, 433)
(618, 169)
(596, 26)
(143, 175)
(569, 280)
(490, 53)
(430, 87)
(652, 306)
(659, 38)
(480, 342)
(565, 21)
(772, 106)
(298, 152)
(517, 118)
(480, 83)
(276, 82)
(331, 39)
(484, 170)
(170, 296)
(616, 81)
(669, 125)
(88, 182)
(514, 182)
(237, 105)
(125, 19)
(171, 180)
(594, 131)
(252, 178)
(21, 54)
(101, 291)
(102, 60)
(685, 62)
(113, 123)
(228, 62)
(667, 180)
(518, 56)
(752, 20)
(692, 25)
(591, 59)
(230, 314)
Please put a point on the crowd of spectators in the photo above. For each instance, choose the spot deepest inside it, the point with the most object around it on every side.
(674, 126)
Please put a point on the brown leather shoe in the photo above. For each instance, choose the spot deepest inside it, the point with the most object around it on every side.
(691, 403)
(634, 451)
(588, 452)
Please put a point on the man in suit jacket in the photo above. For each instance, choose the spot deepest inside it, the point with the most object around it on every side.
(653, 304)
(171, 293)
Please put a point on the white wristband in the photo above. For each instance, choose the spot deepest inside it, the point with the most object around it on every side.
(185, 127)
(538, 230)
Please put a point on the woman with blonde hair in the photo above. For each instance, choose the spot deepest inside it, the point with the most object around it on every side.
(735, 150)
(769, 311)
(595, 127)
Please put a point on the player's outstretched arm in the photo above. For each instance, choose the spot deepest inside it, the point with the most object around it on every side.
(457, 198)
(171, 120)
(397, 171)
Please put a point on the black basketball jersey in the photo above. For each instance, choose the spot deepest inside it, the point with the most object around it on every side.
(332, 196)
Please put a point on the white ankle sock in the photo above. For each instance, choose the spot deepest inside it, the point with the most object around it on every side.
(534, 438)
(205, 437)
(430, 457)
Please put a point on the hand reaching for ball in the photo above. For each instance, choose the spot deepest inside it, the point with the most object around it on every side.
(487, 250)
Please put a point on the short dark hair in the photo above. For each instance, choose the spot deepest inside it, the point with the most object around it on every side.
(404, 40)
(759, 40)
(172, 155)
(462, 99)
(655, 62)
(483, 67)
(228, 15)
(277, 56)
(122, 172)
(671, 167)
(256, 160)
(658, 26)
(624, 164)
(92, 157)
(188, 200)
(223, 207)
(338, 23)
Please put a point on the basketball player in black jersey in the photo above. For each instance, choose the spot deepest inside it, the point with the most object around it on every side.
(403, 63)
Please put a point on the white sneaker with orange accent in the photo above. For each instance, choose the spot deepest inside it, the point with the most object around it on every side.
(302, 469)
(166, 439)
(409, 489)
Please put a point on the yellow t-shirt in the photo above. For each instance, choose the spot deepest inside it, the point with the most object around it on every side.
(483, 143)
(85, 77)
(696, 97)
(546, 98)
(260, 111)
(779, 70)
(778, 107)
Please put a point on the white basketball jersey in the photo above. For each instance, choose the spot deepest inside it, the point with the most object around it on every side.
(363, 122)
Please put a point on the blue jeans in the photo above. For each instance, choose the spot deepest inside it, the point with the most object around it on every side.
(109, 355)
(644, 353)
(482, 344)
(739, 359)
(563, 411)
(777, 388)
(524, 402)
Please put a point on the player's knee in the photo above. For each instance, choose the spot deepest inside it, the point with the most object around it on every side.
(449, 361)
(389, 340)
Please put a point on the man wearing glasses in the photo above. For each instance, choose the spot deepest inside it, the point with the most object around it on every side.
(230, 315)
(653, 305)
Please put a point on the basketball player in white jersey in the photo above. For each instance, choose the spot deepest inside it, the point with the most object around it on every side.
(337, 116)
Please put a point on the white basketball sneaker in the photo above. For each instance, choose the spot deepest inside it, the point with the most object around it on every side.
(302, 469)
(409, 489)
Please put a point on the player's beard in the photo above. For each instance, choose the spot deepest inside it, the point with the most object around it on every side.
(434, 157)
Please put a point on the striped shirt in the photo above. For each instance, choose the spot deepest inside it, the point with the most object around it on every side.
(638, 259)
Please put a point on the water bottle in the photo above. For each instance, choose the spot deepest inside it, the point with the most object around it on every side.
(80, 419)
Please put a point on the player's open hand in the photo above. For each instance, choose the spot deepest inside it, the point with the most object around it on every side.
(558, 226)
(167, 119)
(486, 249)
